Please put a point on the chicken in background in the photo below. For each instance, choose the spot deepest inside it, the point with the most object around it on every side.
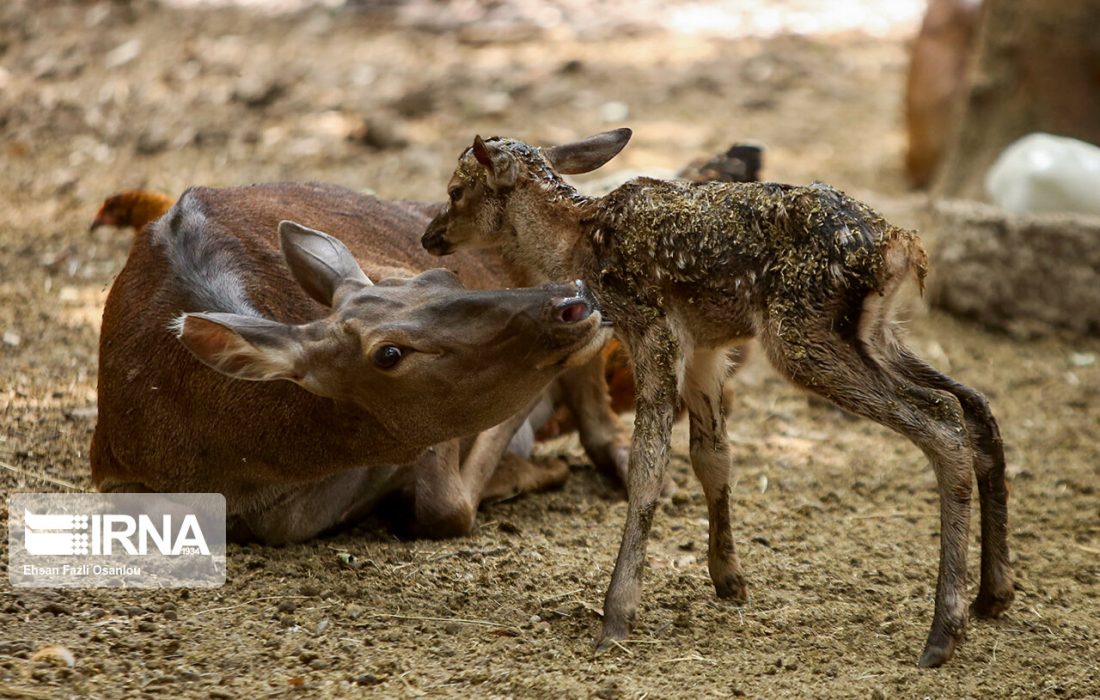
(132, 208)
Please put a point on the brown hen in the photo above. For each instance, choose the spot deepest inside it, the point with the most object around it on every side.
(134, 208)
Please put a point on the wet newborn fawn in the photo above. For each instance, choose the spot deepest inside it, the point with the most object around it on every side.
(685, 272)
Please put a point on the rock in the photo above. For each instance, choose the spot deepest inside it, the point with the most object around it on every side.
(286, 606)
(493, 103)
(1082, 359)
(12, 338)
(56, 655)
(416, 103)
(1026, 274)
(571, 67)
(152, 140)
(258, 91)
(614, 112)
(55, 609)
(122, 54)
(379, 133)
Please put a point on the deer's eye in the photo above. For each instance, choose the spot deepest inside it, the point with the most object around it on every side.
(455, 193)
(387, 356)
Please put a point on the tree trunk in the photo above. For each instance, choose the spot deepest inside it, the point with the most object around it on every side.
(1036, 67)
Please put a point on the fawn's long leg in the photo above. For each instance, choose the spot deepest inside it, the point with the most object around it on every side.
(995, 592)
(710, 459)
(656, 352)
(819, 359)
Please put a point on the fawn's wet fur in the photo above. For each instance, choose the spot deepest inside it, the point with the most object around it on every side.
(688, 271)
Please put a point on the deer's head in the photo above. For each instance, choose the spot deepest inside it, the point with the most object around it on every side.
(492, 171)
(429, 359)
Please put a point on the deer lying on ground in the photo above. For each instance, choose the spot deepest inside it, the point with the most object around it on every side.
(379, 381)
(685, 271)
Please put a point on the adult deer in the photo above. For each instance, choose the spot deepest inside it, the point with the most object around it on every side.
(355, 389)
(685, 271)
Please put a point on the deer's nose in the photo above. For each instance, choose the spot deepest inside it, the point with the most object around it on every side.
(434, 239)
(573, 310)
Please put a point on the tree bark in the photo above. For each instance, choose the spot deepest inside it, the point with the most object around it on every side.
(1036, 67)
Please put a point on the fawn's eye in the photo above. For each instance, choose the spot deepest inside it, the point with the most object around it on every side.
(455, 193)
(387, 356)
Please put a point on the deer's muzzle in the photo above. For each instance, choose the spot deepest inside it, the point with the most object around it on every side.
(434, 239)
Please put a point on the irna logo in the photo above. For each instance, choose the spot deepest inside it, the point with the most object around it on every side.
(108, 534)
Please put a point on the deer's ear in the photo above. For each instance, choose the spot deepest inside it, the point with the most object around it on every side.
(242, 347)
(586, 155)
(499, 164)
(320, 263)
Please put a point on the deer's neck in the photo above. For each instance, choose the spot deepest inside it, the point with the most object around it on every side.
(548, 236)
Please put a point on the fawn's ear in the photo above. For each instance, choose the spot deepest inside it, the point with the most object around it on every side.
(501, 166)
(321, 264)
(243, 347)
(586, 155)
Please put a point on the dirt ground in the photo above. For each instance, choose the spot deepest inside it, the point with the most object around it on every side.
(836, 518)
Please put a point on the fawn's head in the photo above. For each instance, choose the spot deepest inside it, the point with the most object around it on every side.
(490, 172)
(427, 358)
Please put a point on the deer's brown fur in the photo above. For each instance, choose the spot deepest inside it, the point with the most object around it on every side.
(212, 295)
(687, 271)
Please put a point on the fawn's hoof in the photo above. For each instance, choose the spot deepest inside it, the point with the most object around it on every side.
(934, 656)
(940, 647)
(606, 641)
(991, 605)
(615, 629)
(732, 587)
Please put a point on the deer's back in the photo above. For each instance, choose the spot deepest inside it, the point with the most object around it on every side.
(743, 239)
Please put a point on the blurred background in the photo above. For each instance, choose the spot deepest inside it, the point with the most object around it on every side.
(916, 106)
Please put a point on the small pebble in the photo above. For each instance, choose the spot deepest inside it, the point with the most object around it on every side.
(1082, 359)
(614, 112)
(55, 609)
(123, 54)
(56, 655)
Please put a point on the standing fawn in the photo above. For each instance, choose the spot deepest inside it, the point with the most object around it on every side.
(685, 271)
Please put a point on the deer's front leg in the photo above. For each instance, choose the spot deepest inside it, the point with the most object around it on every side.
(605, 440)
(656, 357)
(442, 503)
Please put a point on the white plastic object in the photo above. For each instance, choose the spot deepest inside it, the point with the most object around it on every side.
(1046, 173)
